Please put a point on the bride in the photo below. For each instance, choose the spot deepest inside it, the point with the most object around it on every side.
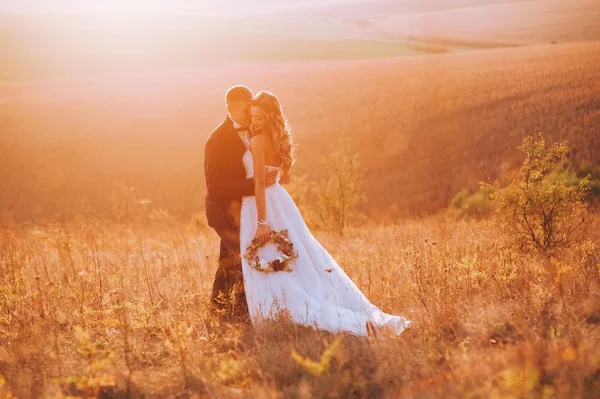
(316, 292)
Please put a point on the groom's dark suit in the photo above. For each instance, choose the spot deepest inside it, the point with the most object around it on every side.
(226, 184)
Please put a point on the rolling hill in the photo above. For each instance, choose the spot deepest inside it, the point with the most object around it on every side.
(425, 126)
(515, 22)
(47, 45)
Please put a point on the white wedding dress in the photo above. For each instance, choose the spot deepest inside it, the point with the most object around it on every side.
(316, 292)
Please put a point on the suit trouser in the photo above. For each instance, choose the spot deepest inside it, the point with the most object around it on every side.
(228, 288)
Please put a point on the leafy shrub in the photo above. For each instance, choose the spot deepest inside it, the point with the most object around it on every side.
(467, 204)
(543, 206)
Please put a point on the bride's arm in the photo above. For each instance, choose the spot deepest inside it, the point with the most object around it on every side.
(258, 157)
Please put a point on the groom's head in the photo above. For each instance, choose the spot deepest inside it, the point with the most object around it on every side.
(238, 100)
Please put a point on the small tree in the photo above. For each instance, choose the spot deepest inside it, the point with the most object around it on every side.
(535, 208)
(340, 193)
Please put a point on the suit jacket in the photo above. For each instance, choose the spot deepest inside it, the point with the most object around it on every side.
(225, 175)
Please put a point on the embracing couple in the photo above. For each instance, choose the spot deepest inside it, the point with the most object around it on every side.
(269, 261)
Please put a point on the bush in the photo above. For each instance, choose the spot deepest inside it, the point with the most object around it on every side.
(563, 173)
(594, 172)
(467, 204)
(543, 207)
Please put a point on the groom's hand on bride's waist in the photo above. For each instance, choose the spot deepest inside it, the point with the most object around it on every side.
(270, 178)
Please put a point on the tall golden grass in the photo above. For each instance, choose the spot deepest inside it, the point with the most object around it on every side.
(96, 308)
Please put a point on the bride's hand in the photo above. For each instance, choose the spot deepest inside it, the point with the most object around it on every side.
(285, 177)
(270, 178)
(262, 233)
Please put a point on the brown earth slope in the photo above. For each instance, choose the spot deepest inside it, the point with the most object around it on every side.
(425, 127)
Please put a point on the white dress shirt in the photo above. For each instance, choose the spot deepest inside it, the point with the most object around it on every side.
(242, 134)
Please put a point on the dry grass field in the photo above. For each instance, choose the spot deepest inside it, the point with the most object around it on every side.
(93, 307)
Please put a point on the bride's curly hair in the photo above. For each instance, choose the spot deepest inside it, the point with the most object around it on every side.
(278, 126)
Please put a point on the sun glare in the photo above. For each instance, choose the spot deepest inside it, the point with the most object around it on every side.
(118, 7)
(137, 7)
(144, 7)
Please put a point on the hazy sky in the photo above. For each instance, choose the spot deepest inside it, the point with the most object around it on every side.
(156, 6)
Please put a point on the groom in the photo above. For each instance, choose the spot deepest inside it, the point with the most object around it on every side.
(226, 184)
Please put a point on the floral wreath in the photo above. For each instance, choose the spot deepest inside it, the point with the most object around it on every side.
(284, 245)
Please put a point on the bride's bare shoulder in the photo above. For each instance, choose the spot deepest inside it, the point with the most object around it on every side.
(258, 137)
(263, 141)
(259, 141)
